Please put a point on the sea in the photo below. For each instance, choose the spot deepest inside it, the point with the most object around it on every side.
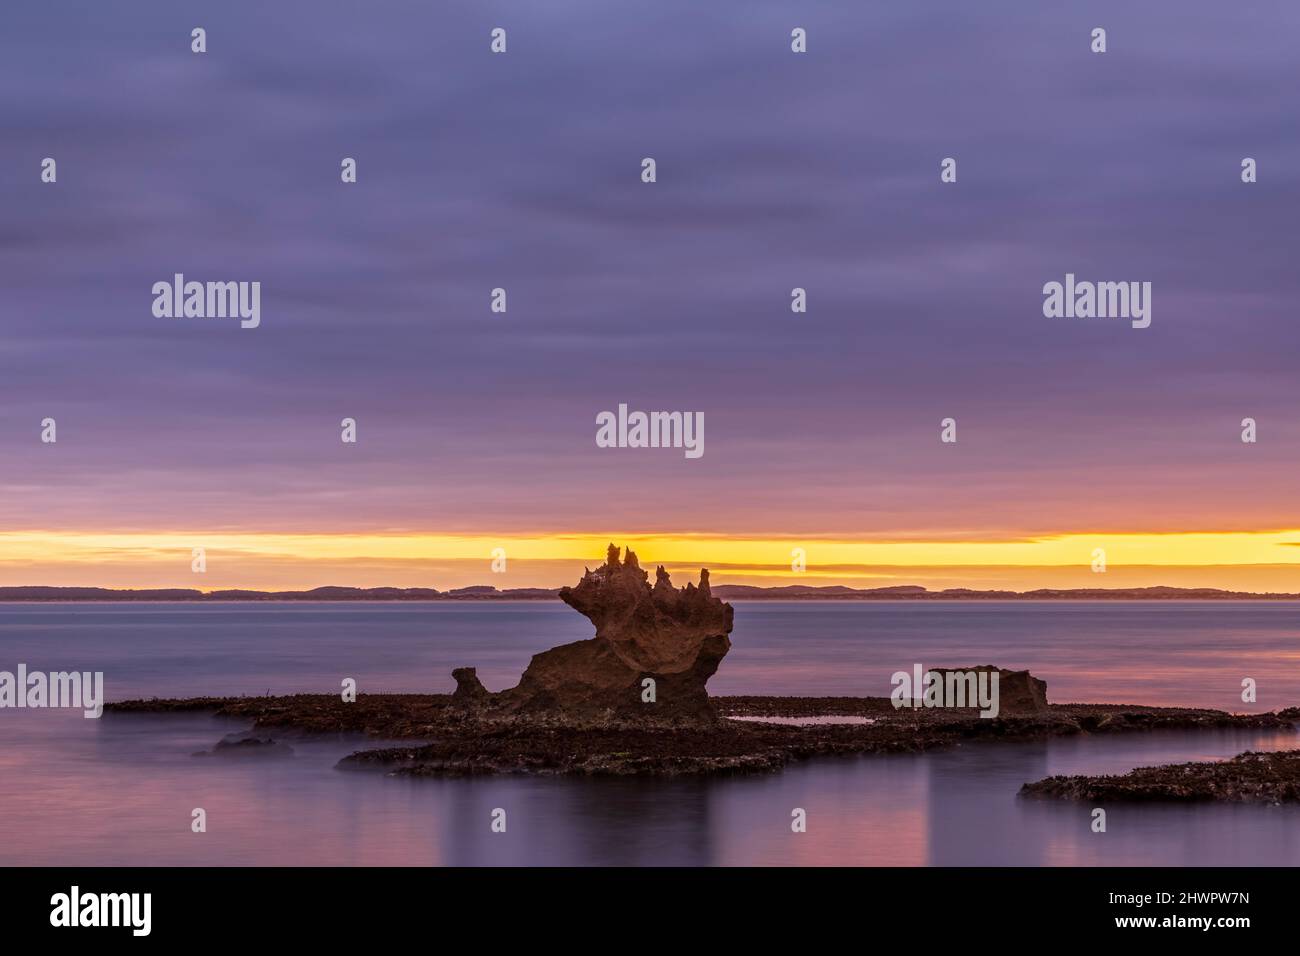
(123, 789)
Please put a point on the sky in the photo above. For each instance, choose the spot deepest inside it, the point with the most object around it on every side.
(775, 170)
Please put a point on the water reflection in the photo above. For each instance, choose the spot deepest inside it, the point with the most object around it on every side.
(120, 791)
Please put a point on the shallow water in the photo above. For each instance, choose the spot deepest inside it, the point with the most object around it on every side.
(120, 790)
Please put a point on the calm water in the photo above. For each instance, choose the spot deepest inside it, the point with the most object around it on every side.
(120, 790)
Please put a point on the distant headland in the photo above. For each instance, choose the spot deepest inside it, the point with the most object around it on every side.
(732, 592)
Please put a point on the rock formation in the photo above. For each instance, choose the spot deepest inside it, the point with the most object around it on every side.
(1020, 693)
(654, 650)
(469, 690)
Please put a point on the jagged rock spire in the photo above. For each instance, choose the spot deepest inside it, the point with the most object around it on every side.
(673, 637)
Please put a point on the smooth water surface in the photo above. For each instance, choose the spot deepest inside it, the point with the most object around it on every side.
(120, 790)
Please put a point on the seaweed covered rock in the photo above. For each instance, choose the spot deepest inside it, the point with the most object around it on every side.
(1250, 777)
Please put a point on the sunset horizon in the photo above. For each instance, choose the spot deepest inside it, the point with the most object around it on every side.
(1250, 561)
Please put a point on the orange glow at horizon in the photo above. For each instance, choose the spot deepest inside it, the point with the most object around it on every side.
(300, 561)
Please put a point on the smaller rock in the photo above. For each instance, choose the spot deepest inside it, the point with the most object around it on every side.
(1019, 692)
(469, 689)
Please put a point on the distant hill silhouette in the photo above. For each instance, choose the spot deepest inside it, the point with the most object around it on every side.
(730, 592)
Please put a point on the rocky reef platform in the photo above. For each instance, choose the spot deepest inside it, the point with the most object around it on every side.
(446, 739)
(1272, 778)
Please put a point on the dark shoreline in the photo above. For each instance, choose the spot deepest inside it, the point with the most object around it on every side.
(731, 592)
(1269, 778)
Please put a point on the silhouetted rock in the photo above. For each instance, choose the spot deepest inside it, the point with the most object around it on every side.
(670, 637)
(468, 687)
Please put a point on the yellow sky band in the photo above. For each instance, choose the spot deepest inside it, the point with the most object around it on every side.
(1177, 549)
